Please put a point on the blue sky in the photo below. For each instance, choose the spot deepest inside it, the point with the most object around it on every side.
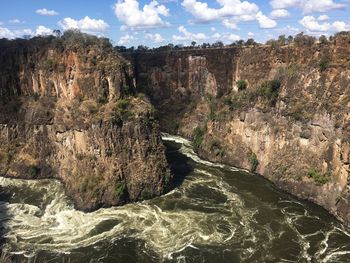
(155, 23)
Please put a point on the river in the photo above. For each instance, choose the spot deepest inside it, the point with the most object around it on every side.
(216, 213)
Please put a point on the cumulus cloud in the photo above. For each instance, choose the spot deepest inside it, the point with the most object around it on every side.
(20, 33)
(226, 37)
(6, 33)
(265, 22)
(156, 38)
(202, 12)
(230, 23)
(126, 39)
(230, 12)
(187, 36)
(129, 12)
(233, 37)
(323, 18)
(308, 6)
(86, 24)
(46, 12)
(279, 13)
(43, 31)
(287, 30)
(313, 25)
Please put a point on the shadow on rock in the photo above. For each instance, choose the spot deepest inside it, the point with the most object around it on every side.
(179, 163)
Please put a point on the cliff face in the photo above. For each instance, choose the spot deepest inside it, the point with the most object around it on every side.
(67, 112)
(291, 123)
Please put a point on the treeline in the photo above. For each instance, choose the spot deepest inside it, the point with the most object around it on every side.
(71, 39)
(300, 39)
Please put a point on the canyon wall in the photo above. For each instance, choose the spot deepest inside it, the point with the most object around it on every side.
(287, 119)
(68, 111)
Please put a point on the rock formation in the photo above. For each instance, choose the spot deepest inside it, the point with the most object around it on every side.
(281, 111)
(68, 110)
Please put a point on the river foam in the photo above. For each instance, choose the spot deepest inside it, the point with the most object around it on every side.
(204, 215)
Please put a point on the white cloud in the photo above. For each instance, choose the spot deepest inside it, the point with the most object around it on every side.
(230, 23)
(156, 38)
(226, 37)
(233, 37)
(265, 22)
(15, 21)
(230, 12)
(323, 18)
(308, 6)
(6, 33)
(43, 31)
(86, 24)
(287, 30)
(188, 36)
(250, 34)
(129, 12)
(45, 12)
(311, 24)
(126, 39)
(279, 13)
(12, 34)
(202, 12)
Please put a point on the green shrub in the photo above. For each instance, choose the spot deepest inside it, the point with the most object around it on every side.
(198, 136)
(324, 64)
(231, 103)
(254, 162)
(102, 97)
(121, 108)
(33, 171)
(49, 65)
(270, 90)
(146, 193)
(5, 157)
(320, 179)
(120, 189)
(292, 70)
(126, 90)
(241, 84)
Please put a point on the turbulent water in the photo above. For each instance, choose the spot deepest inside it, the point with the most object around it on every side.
(215, 214)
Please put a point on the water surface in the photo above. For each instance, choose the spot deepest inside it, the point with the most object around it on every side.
(215, 214)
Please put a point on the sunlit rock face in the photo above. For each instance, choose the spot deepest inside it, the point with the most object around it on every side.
(68, 111)
(296, 136)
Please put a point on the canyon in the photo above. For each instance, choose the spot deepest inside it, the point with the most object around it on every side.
(68, 111)
(78, 113)
(280, 111)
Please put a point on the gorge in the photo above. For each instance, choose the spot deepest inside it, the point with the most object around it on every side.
(290, 124)
(74, 109)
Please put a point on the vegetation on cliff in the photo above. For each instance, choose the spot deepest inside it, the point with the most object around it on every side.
(70, 104)
(280, 109)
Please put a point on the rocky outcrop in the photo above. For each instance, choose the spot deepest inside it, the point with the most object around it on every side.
(67, 111)
(291, 124)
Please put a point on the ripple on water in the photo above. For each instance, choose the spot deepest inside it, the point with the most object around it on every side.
(207, 219)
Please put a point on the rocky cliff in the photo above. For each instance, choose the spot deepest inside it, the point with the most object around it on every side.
(283, 111)
(68, 111)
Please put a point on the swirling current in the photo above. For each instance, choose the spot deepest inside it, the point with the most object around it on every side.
(215, 214)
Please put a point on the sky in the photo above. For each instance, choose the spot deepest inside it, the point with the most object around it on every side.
(156, 23)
